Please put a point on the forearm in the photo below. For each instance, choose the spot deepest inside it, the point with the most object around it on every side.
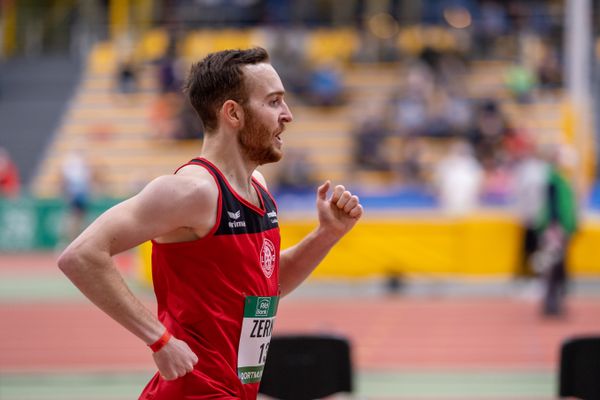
(96, 276)
(297, 262)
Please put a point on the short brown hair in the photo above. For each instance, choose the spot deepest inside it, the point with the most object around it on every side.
(218, 78)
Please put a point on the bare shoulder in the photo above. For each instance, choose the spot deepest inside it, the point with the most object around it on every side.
(189, 195)
(182, 188)
(260, 178)
(188, 200)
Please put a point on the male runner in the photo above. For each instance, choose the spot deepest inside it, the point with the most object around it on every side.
(217, 267)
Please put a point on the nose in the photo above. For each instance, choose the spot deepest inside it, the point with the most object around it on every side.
(287, 116)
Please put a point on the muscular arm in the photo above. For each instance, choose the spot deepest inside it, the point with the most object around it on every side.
(337, 216)
(164, 206)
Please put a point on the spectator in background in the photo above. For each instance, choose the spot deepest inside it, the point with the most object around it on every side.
(368, 145)
(520, 81)
(452, 72)
(288, 57)
(295, 173)
(325, 86)
(164, 115)
(173, 118)
(431, 57)
(549, 71)
(10, 183)
(169, 74)
(191, 126)
(409, 113)
(530, 177)
(497, 181)
(458, 179)
(77, 179)
(127, 76)
(488, 134)
(411, 163)
(458, 111)
(557, 224)
(490, 26)
(409, 108)
(438, 124)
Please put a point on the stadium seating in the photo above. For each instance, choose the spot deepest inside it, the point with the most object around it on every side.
(115, 131)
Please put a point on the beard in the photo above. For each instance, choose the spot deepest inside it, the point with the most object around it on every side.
(256, 140)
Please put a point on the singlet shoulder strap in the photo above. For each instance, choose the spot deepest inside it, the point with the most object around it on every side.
(265, 195)
(198, 161)
(221, 186)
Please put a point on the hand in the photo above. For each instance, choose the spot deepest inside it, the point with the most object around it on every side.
(554, 236)
(175, 359)
(340, 212)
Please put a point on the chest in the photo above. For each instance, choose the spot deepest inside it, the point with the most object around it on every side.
(238, 216)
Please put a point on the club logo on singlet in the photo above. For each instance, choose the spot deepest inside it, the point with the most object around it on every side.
(267, 257)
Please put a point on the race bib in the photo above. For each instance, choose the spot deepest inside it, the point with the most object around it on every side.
(257, 327)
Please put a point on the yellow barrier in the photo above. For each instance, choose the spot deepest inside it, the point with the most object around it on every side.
(424, 246)
(481, 246)
(584, 254)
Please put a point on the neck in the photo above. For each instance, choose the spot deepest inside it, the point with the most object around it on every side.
(228, 157)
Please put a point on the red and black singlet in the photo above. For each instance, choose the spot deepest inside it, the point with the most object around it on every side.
(202, 287)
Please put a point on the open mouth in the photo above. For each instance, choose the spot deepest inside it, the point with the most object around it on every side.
(278, 136)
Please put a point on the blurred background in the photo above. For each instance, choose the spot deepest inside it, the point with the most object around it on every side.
(466, 127)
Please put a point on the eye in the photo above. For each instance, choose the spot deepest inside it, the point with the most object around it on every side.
(276, 101)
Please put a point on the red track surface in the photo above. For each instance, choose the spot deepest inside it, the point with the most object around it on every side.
(386, 333)
(19, 263)
(449, 333)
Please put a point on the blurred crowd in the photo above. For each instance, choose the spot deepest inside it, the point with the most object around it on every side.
(170, 115)
(431, 133)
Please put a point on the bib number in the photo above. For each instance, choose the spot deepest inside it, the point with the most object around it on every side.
(257, 327)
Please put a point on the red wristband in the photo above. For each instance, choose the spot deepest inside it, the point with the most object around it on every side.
(160, 343)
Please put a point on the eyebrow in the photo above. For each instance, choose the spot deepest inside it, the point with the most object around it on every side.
(276, 93)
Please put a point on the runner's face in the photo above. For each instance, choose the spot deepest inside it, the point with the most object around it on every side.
(265, 115)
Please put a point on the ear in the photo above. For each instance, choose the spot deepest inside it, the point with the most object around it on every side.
(232, 114)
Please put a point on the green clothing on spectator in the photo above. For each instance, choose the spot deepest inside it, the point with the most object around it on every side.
(560, 204)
